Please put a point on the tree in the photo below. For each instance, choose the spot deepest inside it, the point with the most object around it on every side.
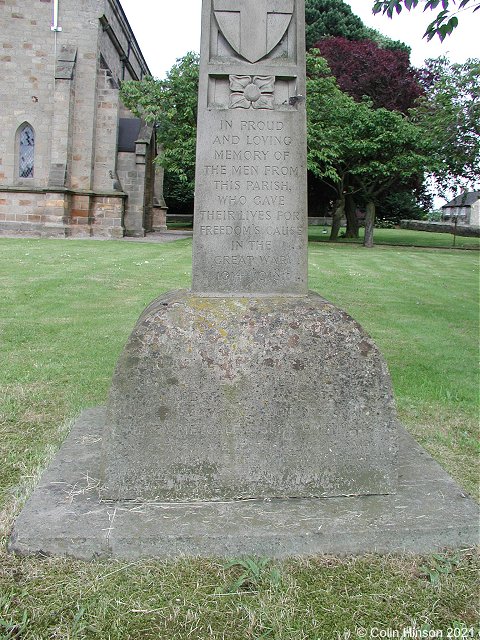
(449, 115)
(445, 21)
(362, 68)
(405, 204)
(172, 105)
(324, 18)
(329, 113)
(335, 18)
(358, 149)
(391, 151)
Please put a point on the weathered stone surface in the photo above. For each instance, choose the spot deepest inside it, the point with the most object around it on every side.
(223, 398)
(65, 515)
(250, 187)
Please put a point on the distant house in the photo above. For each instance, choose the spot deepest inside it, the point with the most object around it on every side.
(465, 207)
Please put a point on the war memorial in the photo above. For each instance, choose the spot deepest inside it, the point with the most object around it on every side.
(246, 415)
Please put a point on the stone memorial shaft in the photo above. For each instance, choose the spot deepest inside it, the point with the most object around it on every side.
(250, 233)
(248, 386)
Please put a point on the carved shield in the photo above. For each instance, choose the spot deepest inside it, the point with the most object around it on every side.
(253, 27)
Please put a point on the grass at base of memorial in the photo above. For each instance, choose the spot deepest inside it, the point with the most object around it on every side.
(66, 310)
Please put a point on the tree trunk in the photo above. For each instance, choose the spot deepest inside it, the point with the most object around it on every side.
(351, 215)
(369, 224)
(338, 212)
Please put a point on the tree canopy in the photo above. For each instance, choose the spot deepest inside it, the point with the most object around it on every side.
(358, 148)
(331, 18)
(363, 68)
(172, 105)
(335, 18)
(449, 115)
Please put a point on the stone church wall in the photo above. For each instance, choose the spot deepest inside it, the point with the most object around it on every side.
(65, 86)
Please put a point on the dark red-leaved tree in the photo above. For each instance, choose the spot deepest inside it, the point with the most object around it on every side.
(362, 68)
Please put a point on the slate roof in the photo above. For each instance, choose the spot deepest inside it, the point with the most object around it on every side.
(464, 200)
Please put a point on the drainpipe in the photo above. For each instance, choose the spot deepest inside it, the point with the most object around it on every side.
(55, 28)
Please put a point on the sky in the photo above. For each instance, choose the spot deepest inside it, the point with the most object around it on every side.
(166, 30)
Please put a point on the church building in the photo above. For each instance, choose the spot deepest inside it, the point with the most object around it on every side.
(73, 160)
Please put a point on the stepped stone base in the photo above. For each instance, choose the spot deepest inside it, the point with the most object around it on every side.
(66, 516)
(229, 422)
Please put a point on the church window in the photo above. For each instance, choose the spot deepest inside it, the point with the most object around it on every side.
(26, 151)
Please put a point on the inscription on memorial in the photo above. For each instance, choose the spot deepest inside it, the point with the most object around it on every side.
(250, 227)
(248, 219)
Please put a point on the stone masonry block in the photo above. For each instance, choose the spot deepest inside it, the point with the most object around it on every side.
(229, 398)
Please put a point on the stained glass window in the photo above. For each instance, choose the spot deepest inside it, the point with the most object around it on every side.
(27, 149)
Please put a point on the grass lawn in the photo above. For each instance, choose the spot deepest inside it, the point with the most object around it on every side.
(66, 310)
(398, 237)
(180, 225)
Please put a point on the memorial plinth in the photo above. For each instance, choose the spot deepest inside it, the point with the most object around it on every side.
(247, 387)
(237, 407)
(234, 398)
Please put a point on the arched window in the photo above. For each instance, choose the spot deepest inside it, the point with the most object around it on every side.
(26, 150)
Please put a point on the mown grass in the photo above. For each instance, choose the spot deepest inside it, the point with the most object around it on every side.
(397, 237)
(66, 308)
(314, 598)
(180, 225)
(421, 307)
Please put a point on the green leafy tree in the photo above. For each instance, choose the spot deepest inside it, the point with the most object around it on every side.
(329, 114)
(449, 115)
(335, 18)
(327, 19)
(408, 204)
(331, 18)
(357, 149)
(444, 22)
(390, 152)
(172, 105)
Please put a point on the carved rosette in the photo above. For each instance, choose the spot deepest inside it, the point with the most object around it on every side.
(251, 92)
